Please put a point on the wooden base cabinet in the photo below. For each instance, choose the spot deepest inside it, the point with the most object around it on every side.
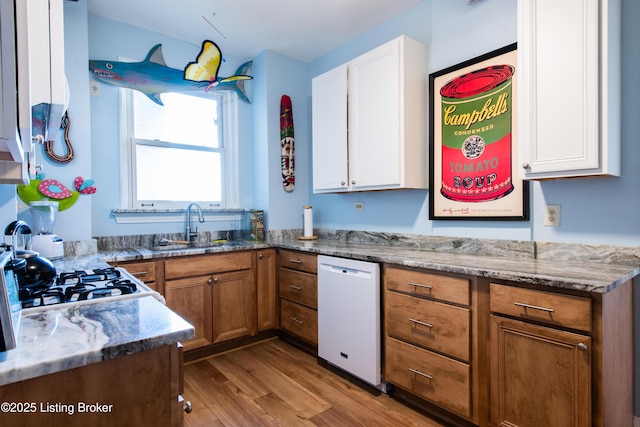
(266, 289)
(541, 376)
(561, 360)
(215, 293)
(141, 389)
(191, 299)
(431, 339)
(149, 272)
(298, 294)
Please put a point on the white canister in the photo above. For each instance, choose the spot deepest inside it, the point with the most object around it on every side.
(307, 221)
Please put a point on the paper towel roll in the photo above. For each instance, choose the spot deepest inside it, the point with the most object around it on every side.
(307, 220)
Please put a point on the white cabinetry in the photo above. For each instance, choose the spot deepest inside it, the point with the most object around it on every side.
(369, 121)
(569, 103)
(40, 26)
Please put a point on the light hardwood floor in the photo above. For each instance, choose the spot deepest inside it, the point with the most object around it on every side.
(275, 384)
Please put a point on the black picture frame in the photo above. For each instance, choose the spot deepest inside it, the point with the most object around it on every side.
(473, 150)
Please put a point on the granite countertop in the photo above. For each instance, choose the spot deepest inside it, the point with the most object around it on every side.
(503, 261)
(95, 332)
(577, 275)
(56, 339)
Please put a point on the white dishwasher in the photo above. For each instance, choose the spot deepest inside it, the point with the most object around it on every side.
(349, 317)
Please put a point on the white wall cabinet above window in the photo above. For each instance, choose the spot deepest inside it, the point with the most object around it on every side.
(569, 109)
(369, 121)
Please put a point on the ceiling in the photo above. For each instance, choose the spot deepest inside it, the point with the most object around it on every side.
(301, 29)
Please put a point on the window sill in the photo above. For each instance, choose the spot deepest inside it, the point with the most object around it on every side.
(139, 216)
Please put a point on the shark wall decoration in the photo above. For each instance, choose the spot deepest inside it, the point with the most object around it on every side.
(152, 76)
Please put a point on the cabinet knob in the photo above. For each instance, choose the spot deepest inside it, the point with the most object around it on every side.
(343, 183)
(260, 256)
(582, 347)
(215, 280)
(526, 166)
(353, 181)
(209, 281)
(188, 407)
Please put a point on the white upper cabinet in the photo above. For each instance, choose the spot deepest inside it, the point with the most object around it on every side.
(569, 94)
(369, 121)
(40, 31)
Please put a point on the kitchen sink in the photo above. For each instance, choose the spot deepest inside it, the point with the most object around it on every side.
(173, 246)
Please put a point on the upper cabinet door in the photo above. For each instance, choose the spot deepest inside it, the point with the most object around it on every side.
(369, 121)
(374, 118)
(569, 103)
(330, 164)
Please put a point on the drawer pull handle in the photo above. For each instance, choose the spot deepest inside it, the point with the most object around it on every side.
(419, 285)
(140, 273)
(297, 288)
(582, 347)
(295, 261)
(428, 325)
(415, 371)
(299, 322)
(535, 307)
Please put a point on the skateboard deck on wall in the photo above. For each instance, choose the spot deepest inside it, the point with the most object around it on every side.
(287, 151)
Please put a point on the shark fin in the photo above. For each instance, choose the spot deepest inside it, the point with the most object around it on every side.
(244, 68)
(155, 55)
(155, 97)
(239, 84)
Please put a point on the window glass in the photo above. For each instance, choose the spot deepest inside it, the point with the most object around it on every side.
(176, 152)
(184, 119)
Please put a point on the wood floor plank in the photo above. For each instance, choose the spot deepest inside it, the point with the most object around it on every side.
(275, 384)
(282, 411)
(339, 392)
(241, 376)
(306, 403)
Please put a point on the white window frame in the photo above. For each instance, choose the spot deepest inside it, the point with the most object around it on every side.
(228, 148)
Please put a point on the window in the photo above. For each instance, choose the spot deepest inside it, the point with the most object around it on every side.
(179, 152)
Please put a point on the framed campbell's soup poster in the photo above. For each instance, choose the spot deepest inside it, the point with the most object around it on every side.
(473, 141)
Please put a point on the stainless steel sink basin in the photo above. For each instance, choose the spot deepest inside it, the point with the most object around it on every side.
(173, 246)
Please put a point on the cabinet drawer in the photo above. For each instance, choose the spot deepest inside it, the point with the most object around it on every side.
(451, 289)
(145, 271)
(299, 287)
(206, 264)
(441, 327)
(299, 261)
(299, 320)
(434, 377)
(548, 307)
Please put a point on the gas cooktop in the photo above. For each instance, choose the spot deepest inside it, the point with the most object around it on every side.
(85, 286)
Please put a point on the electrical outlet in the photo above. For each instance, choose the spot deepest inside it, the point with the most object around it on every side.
(552, 216)
(94, 88)
(359, 206)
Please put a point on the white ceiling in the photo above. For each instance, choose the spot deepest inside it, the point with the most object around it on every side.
(301, 29)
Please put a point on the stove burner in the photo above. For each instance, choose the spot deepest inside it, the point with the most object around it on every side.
(81, 276)
(79, 286)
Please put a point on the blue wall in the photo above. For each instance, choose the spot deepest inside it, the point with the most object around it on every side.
(594, 210)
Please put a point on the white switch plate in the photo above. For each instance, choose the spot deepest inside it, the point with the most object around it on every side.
(552, 216)
(359, 206)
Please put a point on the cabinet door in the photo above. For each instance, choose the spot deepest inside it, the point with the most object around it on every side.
(566, 89)
(539, 376)
(191, 299)
(374, 118)
(266, 292)
(330, 167)
(234, 313)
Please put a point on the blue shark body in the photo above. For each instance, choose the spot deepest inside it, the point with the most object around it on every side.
(152, 77)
